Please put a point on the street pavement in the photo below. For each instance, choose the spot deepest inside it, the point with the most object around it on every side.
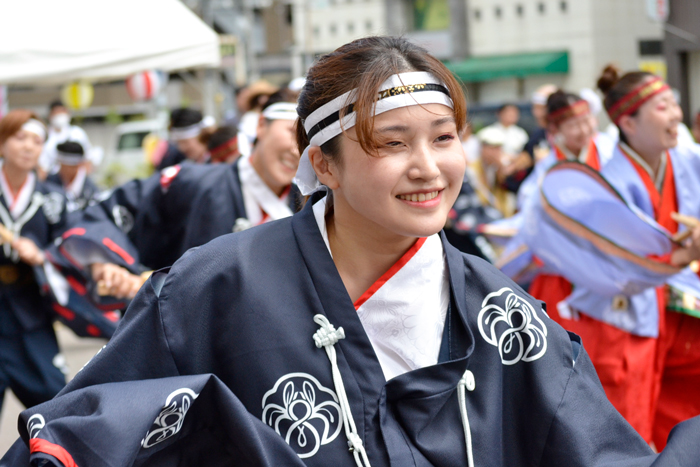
(77, 352)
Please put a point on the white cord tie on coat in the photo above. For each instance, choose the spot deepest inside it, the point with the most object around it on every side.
(466, 383)
(327, 336)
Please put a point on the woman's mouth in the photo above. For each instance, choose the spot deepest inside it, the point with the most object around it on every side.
(419, 197)
(288, 164)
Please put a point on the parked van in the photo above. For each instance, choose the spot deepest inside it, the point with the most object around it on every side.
(129, 158)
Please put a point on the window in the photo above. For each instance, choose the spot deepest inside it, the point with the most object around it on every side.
(351, 28)
(369, 26)
(652, 47)
(540, 8)
(498, 12)
(477, 14)
(317, 32)
(519, 10)
(563, 6)
(333, 29)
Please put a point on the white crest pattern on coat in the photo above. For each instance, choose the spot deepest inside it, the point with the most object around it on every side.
(169, 422)
(53, 207)
(303, 412)
(123, 218)
(35, 424)
(510, 323)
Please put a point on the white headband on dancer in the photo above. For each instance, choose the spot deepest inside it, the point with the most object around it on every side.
(281, 111)
(35, 126)
(191, 131)
(69, 158)
(324, 123)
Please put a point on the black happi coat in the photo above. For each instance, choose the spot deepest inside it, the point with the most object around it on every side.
(44, 220)
(242, 308)
(88, 195)
(163, 216)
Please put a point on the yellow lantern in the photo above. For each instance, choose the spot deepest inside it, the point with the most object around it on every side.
(77, 95)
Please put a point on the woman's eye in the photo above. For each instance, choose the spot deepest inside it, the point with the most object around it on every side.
(393, 144)
(444, 138)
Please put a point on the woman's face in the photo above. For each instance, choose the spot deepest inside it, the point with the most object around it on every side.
(409, 188)
(276, 156)
(192, 148)
(22, 150)
(576, 132)
(655, 126)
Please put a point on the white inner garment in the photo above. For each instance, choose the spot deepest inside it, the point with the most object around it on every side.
(660, 175)
(405, 318)
(75, 188)
(258, 197)
(19, 205)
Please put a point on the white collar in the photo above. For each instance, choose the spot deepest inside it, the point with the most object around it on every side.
(75, 188)
(582, 156)
(258, 197)
(660, 175)
(405, 317)
(17, 205)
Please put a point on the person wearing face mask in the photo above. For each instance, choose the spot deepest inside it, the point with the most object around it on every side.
(616, 237)
(150, 223)
(73, 176)
(379, 344)
(34, 213)
(60, 131)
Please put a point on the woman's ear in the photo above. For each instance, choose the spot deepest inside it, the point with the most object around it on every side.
(628, 125)
(326, 171)
(261, 127)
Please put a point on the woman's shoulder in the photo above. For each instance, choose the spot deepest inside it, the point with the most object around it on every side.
(254, 248)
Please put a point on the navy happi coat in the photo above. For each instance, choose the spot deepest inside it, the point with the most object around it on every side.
(242, 307)
(168, 213)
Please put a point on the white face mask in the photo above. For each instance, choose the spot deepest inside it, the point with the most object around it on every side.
(60, 121)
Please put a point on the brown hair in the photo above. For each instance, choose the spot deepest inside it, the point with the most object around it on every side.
(13, 121)
(561, 99)
(615, 85)
(364, 65)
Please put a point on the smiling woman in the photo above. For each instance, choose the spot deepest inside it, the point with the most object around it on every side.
(353, 323)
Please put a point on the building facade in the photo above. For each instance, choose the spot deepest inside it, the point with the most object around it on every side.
(682, 51)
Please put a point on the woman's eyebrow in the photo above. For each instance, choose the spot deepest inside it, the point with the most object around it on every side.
(443, 120)
(393, 129)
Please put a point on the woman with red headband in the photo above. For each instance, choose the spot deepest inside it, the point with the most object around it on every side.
(573, 137)
(615, 236)
(663, 181)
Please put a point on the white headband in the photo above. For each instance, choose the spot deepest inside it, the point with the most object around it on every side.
(324, 123)
(35, 126)
(69, 158)
(191, 131)
(281, 111)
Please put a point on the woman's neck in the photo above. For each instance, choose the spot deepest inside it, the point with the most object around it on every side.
(15, 176)
(362, 252)
(651, 156)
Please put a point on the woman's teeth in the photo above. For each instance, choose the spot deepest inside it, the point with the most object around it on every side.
(288, 164)
(419, 197)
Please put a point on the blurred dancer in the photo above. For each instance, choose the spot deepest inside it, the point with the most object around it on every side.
(185, 128)
(619, 245)
(222, 144)
(73, 176)
(60, 131)
(34, 213)
(157, 219)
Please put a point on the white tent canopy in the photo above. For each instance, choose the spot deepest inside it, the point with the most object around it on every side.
(47, 42)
